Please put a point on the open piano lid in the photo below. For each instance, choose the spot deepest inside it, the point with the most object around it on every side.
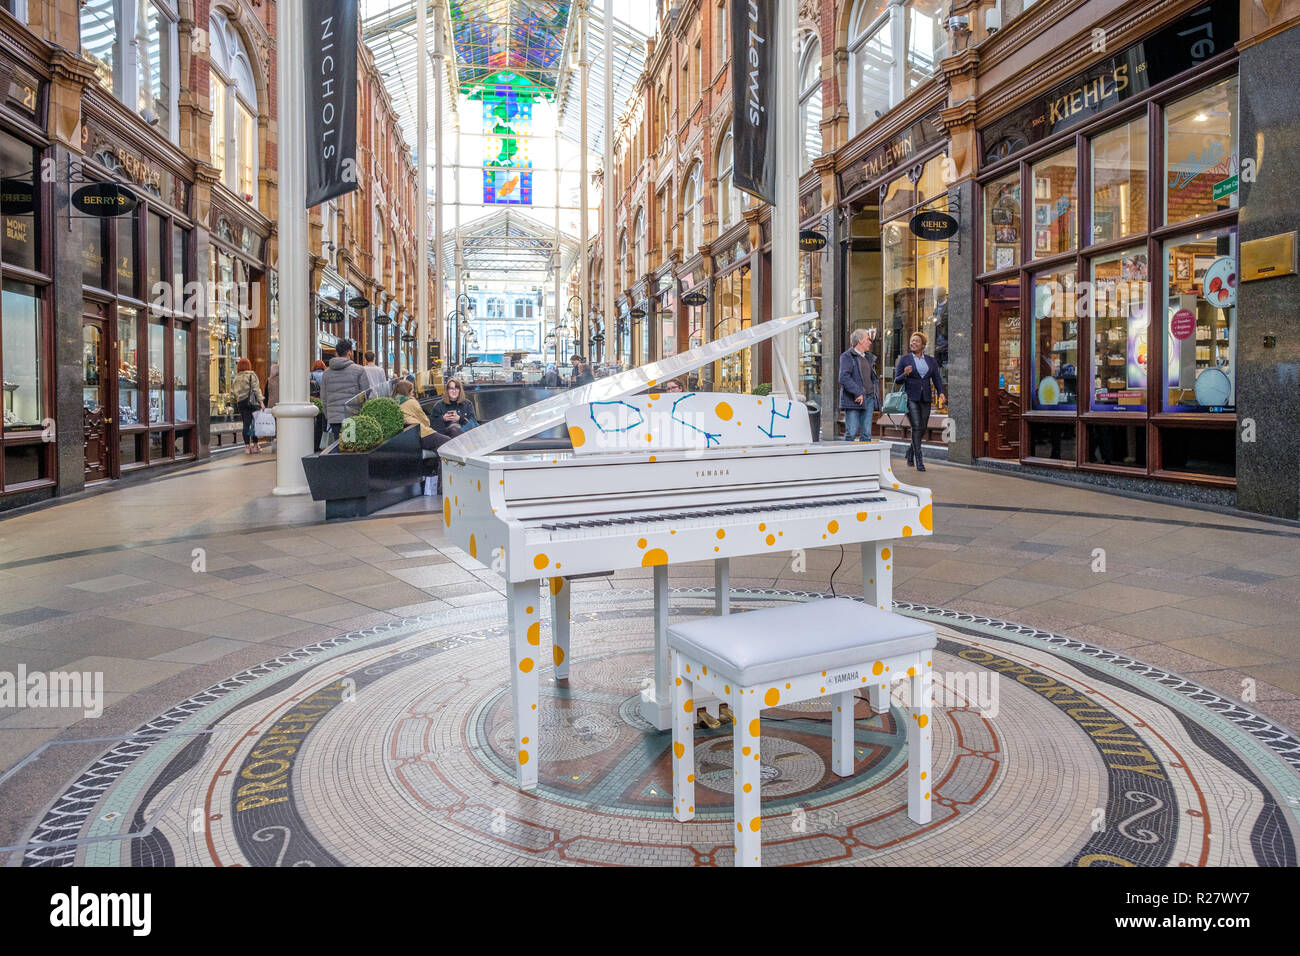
(532, 419)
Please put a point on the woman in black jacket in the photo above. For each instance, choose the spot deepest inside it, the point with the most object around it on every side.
(454, 412)
(919, 375)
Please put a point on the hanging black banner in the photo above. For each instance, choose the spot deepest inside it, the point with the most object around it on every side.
(753, 74)
(330, 35)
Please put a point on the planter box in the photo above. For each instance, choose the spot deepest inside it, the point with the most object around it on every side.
(355, 485)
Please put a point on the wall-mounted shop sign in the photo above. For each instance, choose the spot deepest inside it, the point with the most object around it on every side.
(104, 200)
(695, 298)
(104, 147)
(358, 302)
(1268, 257)
(894, 152)
(1206, 31)
(637, 313)
(933, 226)
(17, 197)
(811, 241)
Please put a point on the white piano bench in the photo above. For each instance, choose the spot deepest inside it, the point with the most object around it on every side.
(785, 655)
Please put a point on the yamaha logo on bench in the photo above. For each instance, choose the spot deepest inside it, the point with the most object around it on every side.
(841, 678)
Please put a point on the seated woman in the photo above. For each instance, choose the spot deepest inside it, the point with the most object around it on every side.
(413, 414)
(454, 412)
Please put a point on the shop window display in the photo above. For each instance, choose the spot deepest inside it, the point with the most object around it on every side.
(128, 367)
(1199, 318)
(1002, 228)
(1055, 204)
(157, 371)
(22, 349)
(734, 372)
(1118, 306)
(1055, 345)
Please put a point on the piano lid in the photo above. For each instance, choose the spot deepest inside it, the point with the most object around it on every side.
(532, 419)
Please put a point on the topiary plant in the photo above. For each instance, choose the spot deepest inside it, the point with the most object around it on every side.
(763, 388)
(320, 408)
(359, 433)
(387, 413)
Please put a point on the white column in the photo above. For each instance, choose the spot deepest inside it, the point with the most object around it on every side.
(295, 413)
(583, 216)
(607, 197)
(785, 214)
(422, 197)
(558, 255)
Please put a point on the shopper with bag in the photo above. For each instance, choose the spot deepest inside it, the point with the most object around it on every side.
(859, 386)
(248, 399)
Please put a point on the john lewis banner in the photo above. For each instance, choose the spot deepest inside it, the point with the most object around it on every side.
(753, 74)
(330, 34)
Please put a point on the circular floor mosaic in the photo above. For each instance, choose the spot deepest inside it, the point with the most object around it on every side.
(392, 745)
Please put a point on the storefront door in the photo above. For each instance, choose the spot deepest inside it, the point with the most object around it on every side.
(1002, 370)
(96, 401)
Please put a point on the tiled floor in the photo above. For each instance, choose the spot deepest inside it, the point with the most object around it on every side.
(171, 585)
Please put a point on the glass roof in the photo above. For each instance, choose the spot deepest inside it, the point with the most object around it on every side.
(521, 36)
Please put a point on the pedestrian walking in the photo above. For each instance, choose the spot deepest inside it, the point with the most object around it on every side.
(248, 399)
(919, 375)
(859, 385)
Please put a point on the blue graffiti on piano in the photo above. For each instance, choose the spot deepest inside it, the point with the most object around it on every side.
(626, 428)
(710, 438)
(770, 430)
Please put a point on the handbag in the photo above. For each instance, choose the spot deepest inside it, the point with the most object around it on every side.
(263, 424)
(895, 403)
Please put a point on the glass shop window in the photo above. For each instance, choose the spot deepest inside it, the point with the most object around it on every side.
(1200, 322)
(128, 367)
(1118, 306)
(22, 349)
(1056, 203)
(1201, 162)
(19, 239)
(1119, 182)
(157, 371)
(126, 254)
(1055, 346)
(1002, 223)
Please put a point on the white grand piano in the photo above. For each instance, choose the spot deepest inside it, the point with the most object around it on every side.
(659, 479)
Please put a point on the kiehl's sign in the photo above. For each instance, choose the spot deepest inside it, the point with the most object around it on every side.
(1199, 35)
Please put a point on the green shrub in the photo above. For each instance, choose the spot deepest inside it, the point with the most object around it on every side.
(320, 408)
(359, 433)
(387, 413)
(763, 388)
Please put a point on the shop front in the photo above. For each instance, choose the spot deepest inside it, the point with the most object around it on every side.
(28, 461)
(140, 303)
(814, 252)
(732, 310)
(1108, 252)
(243, 322)
(895, 279)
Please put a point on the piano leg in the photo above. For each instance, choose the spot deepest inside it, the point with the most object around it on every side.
(560, 618)
(522, 601)
(683, 736)
(721, 586)
(656, 709)
(918, 745)
(878, 589)
(747, 781)
(842, 738)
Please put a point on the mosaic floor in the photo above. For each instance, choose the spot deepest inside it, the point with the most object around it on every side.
(392, 745)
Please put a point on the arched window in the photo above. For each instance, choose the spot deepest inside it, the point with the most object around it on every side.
(622, 250)
(523, 308)
(894, 47)
(496, 340)
(132, 45)
(810, 100)
(639, 249)
(526, 340)
(730, 199)
(233, 97)
(692, 196)
(496, 308)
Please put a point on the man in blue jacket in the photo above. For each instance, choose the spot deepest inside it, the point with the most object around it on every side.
(859, 385)
(918, 373)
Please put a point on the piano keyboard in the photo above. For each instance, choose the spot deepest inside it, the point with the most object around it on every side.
(686, 519)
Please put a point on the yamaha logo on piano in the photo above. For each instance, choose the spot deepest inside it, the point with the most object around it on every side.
(712, 472)
(841, 678)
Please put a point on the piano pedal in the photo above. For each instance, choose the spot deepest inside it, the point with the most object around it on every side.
(708, 720)
(725, 713)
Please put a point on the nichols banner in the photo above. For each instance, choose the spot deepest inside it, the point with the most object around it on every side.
(330, 34)
(753, 73)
